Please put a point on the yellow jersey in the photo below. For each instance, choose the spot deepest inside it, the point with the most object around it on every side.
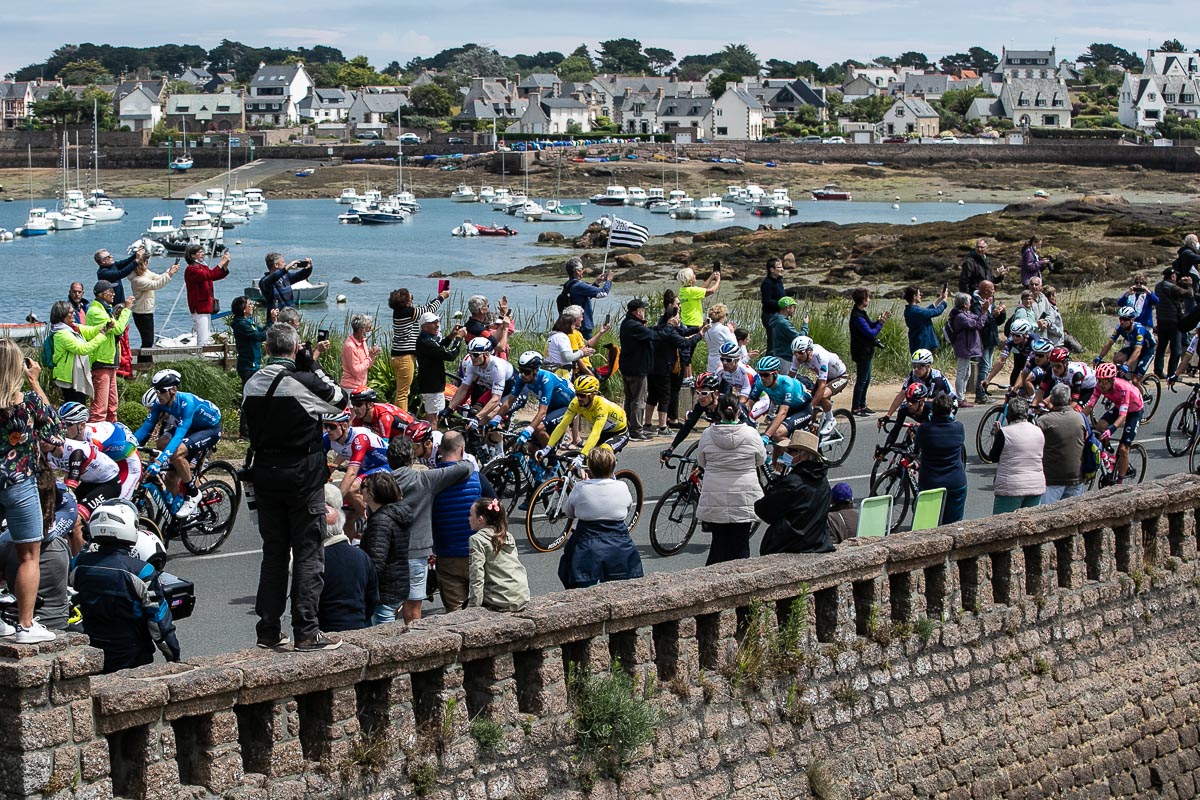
(599, 413)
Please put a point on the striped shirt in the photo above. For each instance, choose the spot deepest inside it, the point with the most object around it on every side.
(405, 327)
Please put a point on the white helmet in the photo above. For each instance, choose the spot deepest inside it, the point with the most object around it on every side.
(166, 379)
(1021, 327)
(114, 522)
(149, 548)
(150, 397)
(801, 343)
(530, 359)
(480, 344)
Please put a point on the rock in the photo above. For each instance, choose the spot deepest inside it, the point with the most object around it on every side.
(357, 279)
(627, 260)
(602, 172)
(551, 237)
(720, 235)
(682, 257)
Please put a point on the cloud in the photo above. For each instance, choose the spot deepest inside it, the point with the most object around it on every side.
(307, 36)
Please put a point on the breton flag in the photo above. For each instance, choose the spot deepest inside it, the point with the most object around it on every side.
(623, 233)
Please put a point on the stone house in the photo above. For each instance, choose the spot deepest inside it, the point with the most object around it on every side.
(326, 104)
(911, 115)
(491, 99)
(1146, 99)
(224, 111)
(550, 114)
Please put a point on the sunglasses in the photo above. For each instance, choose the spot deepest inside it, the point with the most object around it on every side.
(528, 371)
(583, 396)
(330, 427)
(728, 360)
(705, 394)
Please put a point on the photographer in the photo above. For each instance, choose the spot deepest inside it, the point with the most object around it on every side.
(276, 284)
(432, 353)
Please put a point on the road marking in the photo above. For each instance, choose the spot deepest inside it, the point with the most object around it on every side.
(211, 556)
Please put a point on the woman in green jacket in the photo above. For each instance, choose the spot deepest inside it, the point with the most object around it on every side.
(249, 337)
(107, 357)
(71, 374)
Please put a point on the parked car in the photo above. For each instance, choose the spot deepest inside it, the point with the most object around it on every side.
(771, 139)
(947, 140)
(834, 140)
(811, 139)
(377, 143)
(456, 140)
(367, 135)
(409, 138)
(896, 140)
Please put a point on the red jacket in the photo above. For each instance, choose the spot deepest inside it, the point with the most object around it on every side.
(199, 279)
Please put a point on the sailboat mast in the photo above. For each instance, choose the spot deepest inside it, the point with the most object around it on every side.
(95, 144)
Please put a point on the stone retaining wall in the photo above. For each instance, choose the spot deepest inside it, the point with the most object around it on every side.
(1045, 652)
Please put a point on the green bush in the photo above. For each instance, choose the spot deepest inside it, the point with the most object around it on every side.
(610, 720)
(132, 413)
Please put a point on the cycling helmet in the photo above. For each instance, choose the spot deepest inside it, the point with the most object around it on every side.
(916, 391)
(586, 384)
(730, 350)
(150, 397)
(1127, 312)
(1042, 347)
(339, 417)
(530, 359)
(114, 522)
(768, 364)
(1106, 372)
(419, 432)
(1060, 355)
(149, 548)
(166, 379)
(480, 344)
(72, 412)
(364, 395)
(922, 356)
(708, 382)
(1021, 327)
(801, 343)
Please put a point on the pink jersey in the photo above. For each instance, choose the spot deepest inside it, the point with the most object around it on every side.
(1124, 396)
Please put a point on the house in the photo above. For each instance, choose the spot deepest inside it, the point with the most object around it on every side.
(911, 115)
(605, 89)
(1158, 63)
(928, 87)
(785, 96)
(376, 110)
(224, 111)
(426, 76)
(737, 114)
(859, 88)
(550, 114)
(1145, 99)
(539, 84)
(275, 92)
(1028, 64)
(139, 108)
(1027, 103)
(490, 99)
(326, 104)
(198, 77)
(637, 111)
(685, 113)
(16, 103)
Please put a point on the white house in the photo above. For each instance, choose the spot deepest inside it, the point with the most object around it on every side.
(140, 109)
(911, 115)
(1028, 64)
(1183, 64)
(685, 112)
(549, 114)
(325, 105)
(736, 114)
(1145, 99)
(275, 93)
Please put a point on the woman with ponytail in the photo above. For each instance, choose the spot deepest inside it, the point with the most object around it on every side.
(496, 576)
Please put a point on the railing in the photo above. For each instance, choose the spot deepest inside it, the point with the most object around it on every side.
(372, 714)
(149, 358)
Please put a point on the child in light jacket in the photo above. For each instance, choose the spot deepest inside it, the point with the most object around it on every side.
(497, 578)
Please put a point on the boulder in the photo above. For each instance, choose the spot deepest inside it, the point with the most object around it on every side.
(551, 237)
(627, 260)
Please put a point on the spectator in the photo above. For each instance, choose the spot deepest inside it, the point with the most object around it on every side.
(562, 356)
(667, 348)
(771, 291)
(1041, 306)
(102, 314)
(1017, 453)
(1172, 299)
(984, 305)
(600, 549)
(940, 442)
(79, 305)
(919, 320)
(582, 294)
(62, 538)
(1026, 311)
(1053, 331)
(481, 323)
(498, 579)
(1187, 260)
(108, 269)
(1032, 264)
(781, 331)
(730, 453)
(387, 541)
(248, 336)
(357, 353)
(308, 354)
(144, 284)
(452, 526)
(843, 516)
(864, 338)
(796, 505)
(351, 590)
(637, 362)
(407, 324)
(73, 344)
(199, 279)
(691, 296)
(964, 327)
(286, 464)
(418, 486)
(976, 268)
(432, 354)
(276, 282)
(718, 334)
(1142, 299)
(1065, 431)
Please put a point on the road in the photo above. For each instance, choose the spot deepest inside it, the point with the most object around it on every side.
(226, 581)
(246, 175)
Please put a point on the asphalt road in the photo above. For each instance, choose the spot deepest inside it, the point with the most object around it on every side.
(226, 581)
(246, 175)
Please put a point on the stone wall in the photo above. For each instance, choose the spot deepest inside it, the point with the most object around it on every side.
(1046, 652)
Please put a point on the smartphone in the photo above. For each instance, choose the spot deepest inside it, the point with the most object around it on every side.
(322, 335)
(607, 318)
(443, 285)
(716, 267)
(945, 288)
(177, 262)
(28, 362)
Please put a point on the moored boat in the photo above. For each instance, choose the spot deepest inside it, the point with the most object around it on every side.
(636, 196)
(493, 230)
(349, 196)
(304, 292)
(613, 196)
(463, 194)
(254, 198)
(557, 211)
(830, 192)
(711, 208)
(22, 331)
(181, 164)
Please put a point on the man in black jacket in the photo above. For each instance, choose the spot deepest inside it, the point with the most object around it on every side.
(432, 355)
(637, 362)
(669, 345)
(287, 468)
(351, 590)
(796, 506)
(1171, 299)
(976, 268)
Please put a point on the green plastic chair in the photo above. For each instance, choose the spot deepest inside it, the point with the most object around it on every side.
(930, 504)
(875, 516)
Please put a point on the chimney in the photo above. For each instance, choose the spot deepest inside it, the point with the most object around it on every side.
(659, 92)
(262, 64)
(628, 91)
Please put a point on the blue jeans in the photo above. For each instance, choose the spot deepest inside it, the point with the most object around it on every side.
(1002, 504)
(862, 380)
(383, 613)
(22, 507)
(1055, 493)
(981, 373)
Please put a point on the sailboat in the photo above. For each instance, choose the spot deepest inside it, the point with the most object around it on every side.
(60, 218)
(36, 224)
(184, 162)
(401, 199)
(101, 206)
(556, 210)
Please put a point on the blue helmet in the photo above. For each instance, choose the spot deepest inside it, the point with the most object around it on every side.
(730, 350)
(768, 364)
(1042, 346)
(72, 412)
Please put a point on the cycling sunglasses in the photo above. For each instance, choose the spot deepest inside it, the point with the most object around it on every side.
(708, 393)
(728, 360)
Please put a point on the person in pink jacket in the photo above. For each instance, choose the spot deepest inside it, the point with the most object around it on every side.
(357, 353)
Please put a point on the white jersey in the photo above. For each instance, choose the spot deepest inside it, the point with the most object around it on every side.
(495, 375)
(1085, 374)
(741, 380)
(824, 365)
(94, 466)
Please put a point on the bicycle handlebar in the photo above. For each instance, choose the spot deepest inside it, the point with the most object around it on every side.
(666, 462)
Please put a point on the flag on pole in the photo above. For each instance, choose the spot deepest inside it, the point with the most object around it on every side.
(623, 233)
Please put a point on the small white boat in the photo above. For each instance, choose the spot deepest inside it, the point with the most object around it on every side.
(515, 201)
(349, 196)
(686, 209)
(733, 194)
(104, 210)
(613, 196)
(752, 194)
(654, 193)
(254, 197)
(405, 200)
(530, 210)
(74, 199)
(36, 224)
(214, 202)
(486, 194)
(85, 215)
(64, 222)
(501, 199)
(194, 202)
(6, 235)
(711, 207)
(779, 204)
(636, 196)
(557, 211)
(349, 218)
(198, 225)
(230, 218)
(467, 229)
(463, 194)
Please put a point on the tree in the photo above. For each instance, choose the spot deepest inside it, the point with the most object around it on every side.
(913, 60)
(716, 87)
(583, 52)
(1172, 46)
(958, 101)
(480, 61)
(60, 106)
(1102, 56)
(576, 68)
(358, 72)
(431, 100)
(982, 60)
(693, 68)
(777, 68)
(955, 63)
(739, 58)
(623, 56)
(542, 61)
(869, 109)
(394, 68)
(660, 59)
(884, 61)
(102, 102)
(84, 73)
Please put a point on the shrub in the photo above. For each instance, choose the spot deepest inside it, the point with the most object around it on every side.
(610, 721)
(132, 414)
(488, 734)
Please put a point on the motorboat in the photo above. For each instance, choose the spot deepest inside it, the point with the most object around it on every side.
(386, 213)
(64, 222)
(254, 197)
(151, 246)
(303, 292)
(96, 196)
(198, 225)
(493, 230)
(230, 218)
(32, 328)
(161, 225)
(214, 201)
(514, 202)
(654, 193)
(74, 199)
(686, 209)
(557, 211)
(466, 230)
(530, 210)
(463, 194)
(636, 196)
(349, 196)
(658, 206)
(306, 172)
(181, 164)
(500, 199)
(36, 223)
(733, 194)
(406, 201)
(194, 202)
(830, 192)
(84, 215)
(779, 204)
(711, 207)
(752, 195)
(613, 196)
(105, 210)
(486, 193)
(349, 218)
(176, 243)
(238, 203)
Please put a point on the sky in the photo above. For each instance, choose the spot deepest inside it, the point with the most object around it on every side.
(825, 31)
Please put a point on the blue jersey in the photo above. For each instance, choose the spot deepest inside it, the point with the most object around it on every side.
(549, 389)
(935, 382)
(186, 412)
(786, 392)
(1138, 335)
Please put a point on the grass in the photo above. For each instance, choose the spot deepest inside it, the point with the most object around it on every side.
(488, 734)
(611, 722)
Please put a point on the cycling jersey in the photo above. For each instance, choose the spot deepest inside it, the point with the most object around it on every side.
(361, 446)
(497, 375)
(550, 390)
(1138, 335)
(65, 514)
(601, 413)
(1021, 349)
(1078, 376)
(823, 364)
(1123, 395)
(935, 382)
(741, 380)
(693, 416)
(116, 440)
(83, 462)
(186, 413)
(385, 419)
(786, 392)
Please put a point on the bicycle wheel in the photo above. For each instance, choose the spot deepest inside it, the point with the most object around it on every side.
(545, 524)
(986, 434)
(631, 479)
(1181, 427)
(506, 478)
(673, 520)
(1137, 464)
(226, 472)
(1151, 396)
(836, 444)
(894, 481)
(210, 527)
(685, 468)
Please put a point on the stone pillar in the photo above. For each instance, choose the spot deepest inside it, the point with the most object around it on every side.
(490, 688)
(541, 681)
(209, 754)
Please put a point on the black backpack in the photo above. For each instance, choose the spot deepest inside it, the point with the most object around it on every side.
(564, 297)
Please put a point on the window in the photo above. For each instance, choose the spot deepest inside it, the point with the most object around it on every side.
(1041, 101)
(722, 131)
(1058, 103)
(1187, 98)
(1050, 120)
(1152, 96)
(1169, 98)
(1024, 101)
(1028, 73)
(1043, 74)
(694, 111)
(1152, 114)
(899, 112)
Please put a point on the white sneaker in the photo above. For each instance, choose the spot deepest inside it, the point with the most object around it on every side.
(6, 630)
(37, 632)
(188, 507)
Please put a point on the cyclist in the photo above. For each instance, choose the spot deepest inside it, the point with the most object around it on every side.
(553, 394)
(1078, 376)
(363, 451)
(114, 440)
(789, 395)
(490, 371)
(606, 417)
(1037, 367)
(917, 407)
(1019, 344)
(1139, 347)
(708, 389)
(384, 418)
(193, 427)
(425, 440)
(829, 372)
(923, 373)
(735, 376)
(1185, 363)
(1126, 411)
(86, 469)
